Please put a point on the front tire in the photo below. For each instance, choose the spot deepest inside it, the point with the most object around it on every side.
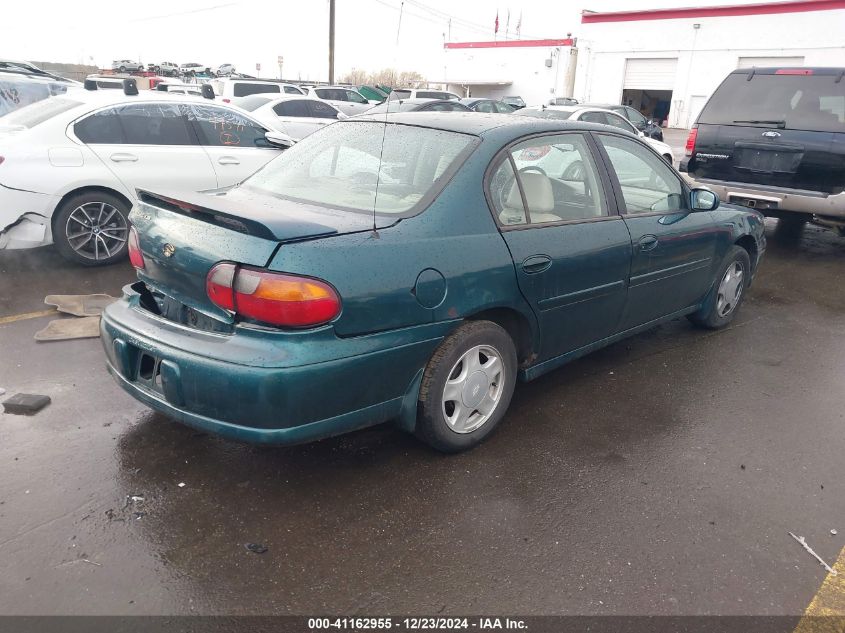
(466, 387)
(728, 292)
(92, 228)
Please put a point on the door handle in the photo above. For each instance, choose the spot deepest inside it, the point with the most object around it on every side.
(124, 158)
(228, 160)
(536, 264)
(648, 243)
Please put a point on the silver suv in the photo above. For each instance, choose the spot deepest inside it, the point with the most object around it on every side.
(125, 65)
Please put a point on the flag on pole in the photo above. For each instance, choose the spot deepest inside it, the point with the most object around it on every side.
(519, 24)
(496, 24)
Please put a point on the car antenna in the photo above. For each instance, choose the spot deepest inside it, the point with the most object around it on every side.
(384, 126)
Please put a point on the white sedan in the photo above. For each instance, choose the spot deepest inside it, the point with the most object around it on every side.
(294, 115)
(69, 165)
(596, 115)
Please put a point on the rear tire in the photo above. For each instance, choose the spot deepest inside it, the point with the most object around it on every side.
(122, 69)
(466, 387)
(92, 228)
(729, 286)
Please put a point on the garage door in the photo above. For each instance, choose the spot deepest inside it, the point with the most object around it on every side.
(650, 74)
(763, 62)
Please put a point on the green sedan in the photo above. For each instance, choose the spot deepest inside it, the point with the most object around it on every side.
(412, 268)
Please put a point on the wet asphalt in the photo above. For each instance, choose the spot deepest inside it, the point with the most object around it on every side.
(660, 475)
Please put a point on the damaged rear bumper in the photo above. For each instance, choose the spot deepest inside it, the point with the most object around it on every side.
(25, 218)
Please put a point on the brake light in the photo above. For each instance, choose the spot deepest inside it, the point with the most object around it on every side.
(227, 101)
(270, 297)
(2, 158)
(690, 147)
(794, 71)
(136, 258)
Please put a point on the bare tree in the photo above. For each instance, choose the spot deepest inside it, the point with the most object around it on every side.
(356, 77)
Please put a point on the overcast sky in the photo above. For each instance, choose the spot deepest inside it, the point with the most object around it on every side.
(246, 32)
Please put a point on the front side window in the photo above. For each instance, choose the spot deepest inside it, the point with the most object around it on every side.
(366, 167)
(320, 110)
(485, 106)
(218, 126)
(617, 121)
(503, 108)
(354, 97)
(635, 117)
(154, 124)
(556, 181)
(648, 184)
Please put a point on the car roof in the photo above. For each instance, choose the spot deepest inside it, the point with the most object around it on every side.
(479, 123)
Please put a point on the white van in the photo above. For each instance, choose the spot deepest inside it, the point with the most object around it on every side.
(228, 88)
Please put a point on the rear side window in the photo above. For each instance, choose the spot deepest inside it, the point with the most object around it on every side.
(434, 94)
(293, 91)
(331, 93)
(294, 107)
(154, 124)
(794, 102)
(102, 127)
(218, 126)
(244, 89)
(400, 94)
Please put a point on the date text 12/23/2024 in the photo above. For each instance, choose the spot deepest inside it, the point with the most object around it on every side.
(415, 624)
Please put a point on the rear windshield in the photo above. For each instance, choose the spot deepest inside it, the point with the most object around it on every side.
(242, 90)
(794, 102)
(434, 94)
(38, 112)
(343, 165)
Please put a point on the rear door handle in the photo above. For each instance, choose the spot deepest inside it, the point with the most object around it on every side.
(648, 243)
(536, 264)
(124, 158)
(228, 160)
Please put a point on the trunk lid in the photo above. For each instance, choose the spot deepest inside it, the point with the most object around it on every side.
(776, 128)
(182, 236)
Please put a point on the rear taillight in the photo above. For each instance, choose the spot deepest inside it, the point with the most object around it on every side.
(270, 297)
(227, 100)
(2, 158)
(794, 71)
(135, 256)
(690, 147)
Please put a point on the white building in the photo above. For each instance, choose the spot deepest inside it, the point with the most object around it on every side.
(665, 62)
(535, 70)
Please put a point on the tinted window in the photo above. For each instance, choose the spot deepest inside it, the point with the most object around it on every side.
(594, 117)
(331, 93)
(293, 91)
(434, 94)
(218, 126)
(344, 164)
(559, 180)
(101, 127)
(648, 184)
(635, 117)
(503, 108)
(154, 124)
(242, 89)
(617, 121)
(485, 106)
(400, 94)
(444, 106)
(797, 102)
(293, 107)
(354, 97)
(321, 110)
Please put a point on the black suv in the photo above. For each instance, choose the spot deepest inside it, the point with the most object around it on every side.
(774, 139)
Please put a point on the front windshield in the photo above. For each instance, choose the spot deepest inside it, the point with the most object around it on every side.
(342, 165)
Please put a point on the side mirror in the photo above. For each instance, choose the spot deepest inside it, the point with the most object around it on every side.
(277, 139)
(342, 116)
(703, 200)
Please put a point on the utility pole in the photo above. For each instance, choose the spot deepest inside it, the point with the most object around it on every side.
(331, 41)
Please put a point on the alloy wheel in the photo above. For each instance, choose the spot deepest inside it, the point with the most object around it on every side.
(96, 230)
(730, 289)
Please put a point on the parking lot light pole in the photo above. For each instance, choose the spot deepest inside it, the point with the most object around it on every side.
(331, 41)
